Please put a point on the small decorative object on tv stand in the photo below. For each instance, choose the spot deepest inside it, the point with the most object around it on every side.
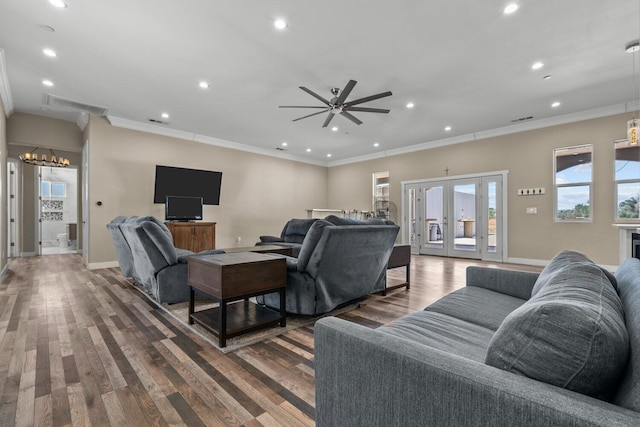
(33, 158)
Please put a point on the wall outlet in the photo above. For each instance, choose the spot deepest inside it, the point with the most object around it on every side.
(238, 239)
(532, 211)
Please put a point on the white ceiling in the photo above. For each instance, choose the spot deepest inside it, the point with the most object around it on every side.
(462, 62)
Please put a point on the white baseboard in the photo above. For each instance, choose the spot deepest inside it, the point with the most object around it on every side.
(27, 254)
(98, 265)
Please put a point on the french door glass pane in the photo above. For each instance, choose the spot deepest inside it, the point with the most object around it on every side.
(464, 211)
(434, 216)
(491, 217)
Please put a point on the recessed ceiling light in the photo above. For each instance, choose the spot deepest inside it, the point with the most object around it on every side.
(308, 150)
(547, 77)
(329, 155)
(377, 144)
(284, 144)
(555, 104)
(280, 24)
(335, 128)
(204, 85)
(410, 105)
(50, 52)
(448, 128)
(510, 8)
(165, 115)
(632, 47)
(47, 83)
(537, 65)
(58, 3)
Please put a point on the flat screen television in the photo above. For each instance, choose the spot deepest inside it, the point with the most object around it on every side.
(172, 181)
(181, 208)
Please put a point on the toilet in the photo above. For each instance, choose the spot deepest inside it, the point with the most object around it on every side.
(63, 241)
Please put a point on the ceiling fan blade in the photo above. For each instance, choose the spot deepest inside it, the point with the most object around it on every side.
(314, 114)
(368, 98)
(315, 95)
(366, 110)
(351, 117)
(329, 117)
(300, 106)
(345, 92)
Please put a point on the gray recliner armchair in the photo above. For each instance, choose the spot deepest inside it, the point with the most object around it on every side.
(292, 235)
(336, 264)
(158, 266)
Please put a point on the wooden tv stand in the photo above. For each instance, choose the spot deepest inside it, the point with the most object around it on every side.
(193, 236)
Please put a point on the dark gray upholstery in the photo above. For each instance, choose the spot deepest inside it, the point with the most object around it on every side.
(160, 268)
(123, 251)
(292, 235)
(424, 369)
(571, 333)
(628, 278)
(336, 264)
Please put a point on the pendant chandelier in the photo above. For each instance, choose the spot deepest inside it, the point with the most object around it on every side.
(633, 125)
(33, 158)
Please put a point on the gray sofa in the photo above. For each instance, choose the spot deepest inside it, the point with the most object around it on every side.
(295, 230)
(144, 247)
(336, 264)
(559, 348)
(292, 235)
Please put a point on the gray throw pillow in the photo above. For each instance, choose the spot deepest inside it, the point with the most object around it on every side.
(570, 334)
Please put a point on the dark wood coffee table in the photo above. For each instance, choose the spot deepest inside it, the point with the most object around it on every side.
(232, 277)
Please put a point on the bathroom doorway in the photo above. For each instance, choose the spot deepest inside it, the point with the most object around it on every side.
(58, 210)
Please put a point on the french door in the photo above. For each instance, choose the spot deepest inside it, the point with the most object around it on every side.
(458, 217)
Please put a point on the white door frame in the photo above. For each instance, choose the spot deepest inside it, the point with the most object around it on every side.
(502, 231)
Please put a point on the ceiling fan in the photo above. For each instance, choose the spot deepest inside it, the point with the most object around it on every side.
(338, 104)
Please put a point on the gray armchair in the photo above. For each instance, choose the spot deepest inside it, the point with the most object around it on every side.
(160, 268)
(336, 264)
(123, 251)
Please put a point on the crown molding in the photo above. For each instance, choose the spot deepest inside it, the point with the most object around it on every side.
(189, 136)
(5, 92)
(506, 130)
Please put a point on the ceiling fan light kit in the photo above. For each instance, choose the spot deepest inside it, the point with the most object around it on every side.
(339, 104)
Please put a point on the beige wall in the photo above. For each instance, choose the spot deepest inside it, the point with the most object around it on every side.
(3, 187)
(24, 133)
(38, 131)
(528, 156)
(259, 193)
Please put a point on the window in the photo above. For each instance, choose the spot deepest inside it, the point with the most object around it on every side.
(627, 180)
(572, 182)
(53, 189)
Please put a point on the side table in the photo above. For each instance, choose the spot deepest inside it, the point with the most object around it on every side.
(232, 277)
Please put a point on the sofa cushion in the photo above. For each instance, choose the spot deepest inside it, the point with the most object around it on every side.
(560, 261)
(477, 305)
(443, 332)
(571, 333)
(628, 277)
(337, 220)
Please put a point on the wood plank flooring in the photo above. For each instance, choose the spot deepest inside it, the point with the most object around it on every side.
(81, 347)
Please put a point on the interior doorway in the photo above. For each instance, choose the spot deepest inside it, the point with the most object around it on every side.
(57, 210)
(457, 216)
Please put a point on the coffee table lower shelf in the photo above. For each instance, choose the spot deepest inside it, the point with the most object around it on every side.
(241, 317)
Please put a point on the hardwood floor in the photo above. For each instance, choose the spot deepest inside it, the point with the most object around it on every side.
(83, 347)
